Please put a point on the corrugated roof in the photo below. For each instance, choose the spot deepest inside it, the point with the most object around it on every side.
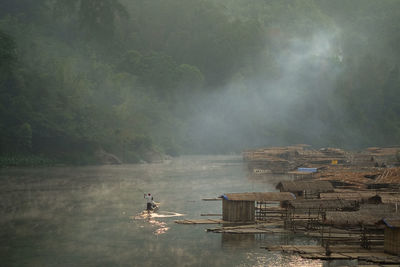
(295, 186)
(261, 196)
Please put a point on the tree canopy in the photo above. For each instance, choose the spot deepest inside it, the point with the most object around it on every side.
(196, 76)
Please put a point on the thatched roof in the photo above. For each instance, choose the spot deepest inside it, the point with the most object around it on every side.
(349, 195)
(392, 222)
(308, 186)
(390, 176)
(323, 204)
(365, 216)
(386, 198)
(352, 218)
(261, 196)
(380, 208)
(351, 176)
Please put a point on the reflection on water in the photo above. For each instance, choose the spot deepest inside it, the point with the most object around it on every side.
(82, 216)
(161, 227)
(280, 260)
(165, 214)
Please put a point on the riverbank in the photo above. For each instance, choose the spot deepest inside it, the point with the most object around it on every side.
(26, 161)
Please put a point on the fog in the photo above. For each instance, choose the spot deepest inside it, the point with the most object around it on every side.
(143, 78)
(251, 111)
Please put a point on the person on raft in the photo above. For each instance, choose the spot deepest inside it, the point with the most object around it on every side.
(150, 203)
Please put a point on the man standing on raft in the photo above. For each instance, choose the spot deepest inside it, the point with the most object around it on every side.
(149, 200)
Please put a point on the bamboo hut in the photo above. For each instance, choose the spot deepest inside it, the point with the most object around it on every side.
(240, 207)
(368, 215)
(358, 196)
(305, 188)
(392, 236)
(322, 205)
(337, 218)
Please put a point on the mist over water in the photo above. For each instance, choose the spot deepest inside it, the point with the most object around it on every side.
(261, 110)
(90, 216)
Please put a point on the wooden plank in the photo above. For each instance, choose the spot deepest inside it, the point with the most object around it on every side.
(201, 221)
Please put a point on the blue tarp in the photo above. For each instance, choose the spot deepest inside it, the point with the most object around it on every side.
(307, 169)
(224, 197)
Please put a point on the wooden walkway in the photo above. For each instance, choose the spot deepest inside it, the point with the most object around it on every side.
(339, 253)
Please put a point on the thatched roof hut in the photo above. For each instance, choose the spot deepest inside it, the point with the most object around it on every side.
(380, 208)
(323, 205)
(351, 218)
(367, 215)
(349, 195)
(385, 198)
(260, 196)
(309, 187)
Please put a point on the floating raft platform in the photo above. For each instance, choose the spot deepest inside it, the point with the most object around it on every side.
(267, 228)
(339, 253)
(203, 221)
(213, 221)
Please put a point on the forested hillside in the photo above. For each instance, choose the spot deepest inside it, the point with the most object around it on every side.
(142, 77)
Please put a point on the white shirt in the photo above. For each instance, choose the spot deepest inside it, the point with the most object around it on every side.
(148, 198)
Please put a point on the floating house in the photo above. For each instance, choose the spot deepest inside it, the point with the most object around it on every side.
(305, 188)
(359, 196)
(313, 205)
(367, 215)
(241, 207)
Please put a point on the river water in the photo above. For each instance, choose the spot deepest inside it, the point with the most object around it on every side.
(89, 216)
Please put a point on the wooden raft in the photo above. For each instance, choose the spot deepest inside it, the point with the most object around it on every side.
(266, 228)
(205, 221)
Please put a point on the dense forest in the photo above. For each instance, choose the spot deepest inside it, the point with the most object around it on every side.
(142, 77)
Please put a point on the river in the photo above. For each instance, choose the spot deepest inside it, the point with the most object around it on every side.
(88, 216)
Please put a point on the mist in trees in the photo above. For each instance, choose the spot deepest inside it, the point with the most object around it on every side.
(139, 78)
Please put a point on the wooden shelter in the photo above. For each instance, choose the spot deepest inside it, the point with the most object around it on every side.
(322, 205)
(392, 236)
(359, 196)
(262, 196)
(305, 188)
(368, 215)
(240, 207)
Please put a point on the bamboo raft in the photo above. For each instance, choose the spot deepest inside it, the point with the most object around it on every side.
(202, 221)
(264, 228)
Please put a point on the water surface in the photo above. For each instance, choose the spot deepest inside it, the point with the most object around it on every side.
(89, 216)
